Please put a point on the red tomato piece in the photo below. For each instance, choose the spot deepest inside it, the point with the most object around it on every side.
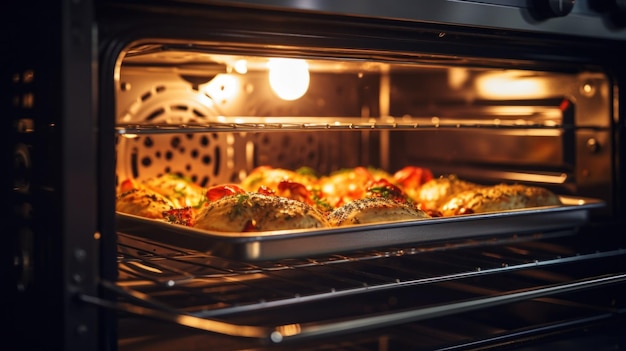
(127, 185)
(411, 177)
(182, 216)
(295, 191)
(219, 191)
(384, 188)
(265, 190)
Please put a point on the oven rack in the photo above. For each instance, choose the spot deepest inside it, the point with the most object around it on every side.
(434, 123)
(219, 293)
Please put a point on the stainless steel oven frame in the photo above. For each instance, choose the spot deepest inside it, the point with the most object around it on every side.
(61, 248)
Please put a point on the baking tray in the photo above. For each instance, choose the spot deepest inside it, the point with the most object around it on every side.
(258, 246)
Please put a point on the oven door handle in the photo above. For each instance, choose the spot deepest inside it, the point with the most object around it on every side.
(297, 331)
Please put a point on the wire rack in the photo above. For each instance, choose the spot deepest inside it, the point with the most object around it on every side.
(230, 286)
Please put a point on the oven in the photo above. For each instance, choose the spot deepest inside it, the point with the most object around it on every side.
(97, 93)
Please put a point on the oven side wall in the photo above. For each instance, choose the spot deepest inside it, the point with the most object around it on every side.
(50, 177)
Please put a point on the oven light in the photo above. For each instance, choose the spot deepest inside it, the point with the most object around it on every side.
(241, 66)
(289, 78)
(509, 86)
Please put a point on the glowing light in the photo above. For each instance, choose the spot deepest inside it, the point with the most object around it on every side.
(223, 88)
(289, 78)
(510, 86)
(241, 66)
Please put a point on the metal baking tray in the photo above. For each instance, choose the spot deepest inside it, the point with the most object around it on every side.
(259, 246)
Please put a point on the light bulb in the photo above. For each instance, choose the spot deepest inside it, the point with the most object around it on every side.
(241, 66)
(289, 78)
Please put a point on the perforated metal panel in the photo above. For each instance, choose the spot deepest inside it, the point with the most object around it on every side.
(170, 100)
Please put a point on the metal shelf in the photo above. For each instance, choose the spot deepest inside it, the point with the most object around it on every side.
(134, 129)
(252, 300)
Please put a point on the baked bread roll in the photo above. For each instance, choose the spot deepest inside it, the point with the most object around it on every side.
(345, 185)
(500, 197)
(269, 177)
(258, 212)
(143, 202)
(181, 191)
(373, 210)
(435, 192)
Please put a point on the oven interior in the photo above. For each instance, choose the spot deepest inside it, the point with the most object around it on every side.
(214, 117)
(214, 112)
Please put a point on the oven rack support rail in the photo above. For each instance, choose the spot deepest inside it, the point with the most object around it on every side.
(162, 128)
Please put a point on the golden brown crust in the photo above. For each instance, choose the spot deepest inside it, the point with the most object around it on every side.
(180, 191)
(373, 210)
(301, 201)
(143, 202)
(258, 212)
(271, 177)
(434, 193)
(501, 197)
(349, 184)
